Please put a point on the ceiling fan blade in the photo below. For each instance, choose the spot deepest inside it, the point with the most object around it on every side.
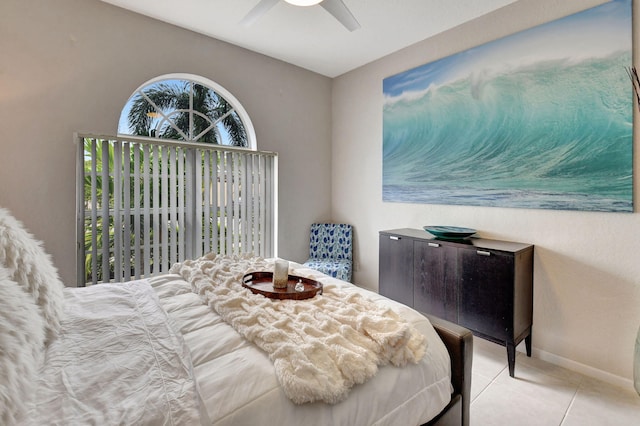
(340, 11)
(258, 10)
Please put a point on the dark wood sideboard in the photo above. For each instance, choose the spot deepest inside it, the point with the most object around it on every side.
(481, 284)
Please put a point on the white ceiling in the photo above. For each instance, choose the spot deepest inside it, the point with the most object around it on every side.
(309, 36)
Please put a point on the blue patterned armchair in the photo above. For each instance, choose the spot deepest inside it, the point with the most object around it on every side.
(331, 249)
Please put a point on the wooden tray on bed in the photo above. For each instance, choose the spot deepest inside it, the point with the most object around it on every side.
(262, 283)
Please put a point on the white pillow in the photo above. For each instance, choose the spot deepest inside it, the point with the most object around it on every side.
(29, 266)
(21, 349)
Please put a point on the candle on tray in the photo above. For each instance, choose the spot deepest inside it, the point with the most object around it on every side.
(280, 273)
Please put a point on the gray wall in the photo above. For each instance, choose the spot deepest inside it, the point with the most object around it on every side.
(70, 66)
(587, 272)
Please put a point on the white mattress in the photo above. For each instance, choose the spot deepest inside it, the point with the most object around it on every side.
(238, 385)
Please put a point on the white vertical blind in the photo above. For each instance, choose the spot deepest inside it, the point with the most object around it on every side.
(145, 204)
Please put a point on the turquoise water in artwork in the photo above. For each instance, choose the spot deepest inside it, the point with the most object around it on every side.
(551, 127)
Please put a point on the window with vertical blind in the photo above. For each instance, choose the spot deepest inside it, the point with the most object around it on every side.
(145, 203)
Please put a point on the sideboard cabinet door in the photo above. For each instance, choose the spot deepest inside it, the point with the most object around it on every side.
(396, 268)
(435, 279)
(486, 292)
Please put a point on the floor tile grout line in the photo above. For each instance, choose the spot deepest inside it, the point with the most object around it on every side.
(493, 380)
(575, 394)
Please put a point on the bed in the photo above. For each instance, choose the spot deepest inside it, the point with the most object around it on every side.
(155, 351)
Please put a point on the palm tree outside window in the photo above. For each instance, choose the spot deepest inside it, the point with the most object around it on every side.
(186, 108)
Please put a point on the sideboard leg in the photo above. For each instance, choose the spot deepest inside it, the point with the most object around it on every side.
(511, 357)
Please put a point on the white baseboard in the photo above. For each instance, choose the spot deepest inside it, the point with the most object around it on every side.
(581, 368)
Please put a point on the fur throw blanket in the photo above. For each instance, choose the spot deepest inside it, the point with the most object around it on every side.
(320, 347)
(32, 268)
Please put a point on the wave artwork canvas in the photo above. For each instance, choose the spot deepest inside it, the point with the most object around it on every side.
(539, 119)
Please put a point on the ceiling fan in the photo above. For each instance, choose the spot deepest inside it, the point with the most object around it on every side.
(337, 8)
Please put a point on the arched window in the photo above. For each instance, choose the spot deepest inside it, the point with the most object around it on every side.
(199, 185)
(187, 108)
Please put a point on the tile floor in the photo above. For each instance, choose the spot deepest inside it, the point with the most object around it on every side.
(543, 394)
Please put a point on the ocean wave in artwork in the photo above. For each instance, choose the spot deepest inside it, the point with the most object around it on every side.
(548, 134)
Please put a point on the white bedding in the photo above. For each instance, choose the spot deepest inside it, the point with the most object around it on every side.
(118, 360)
(320, 347)
(149, 352)
(238, 385)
